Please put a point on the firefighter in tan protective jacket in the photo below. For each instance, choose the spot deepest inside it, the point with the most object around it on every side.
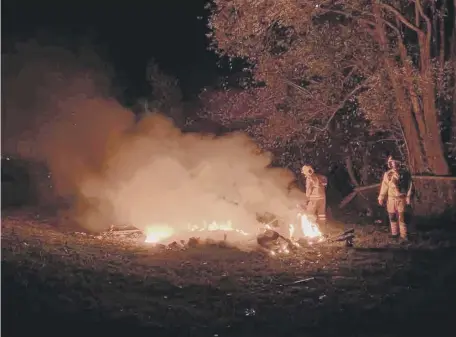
(316, 194)
(397, 188)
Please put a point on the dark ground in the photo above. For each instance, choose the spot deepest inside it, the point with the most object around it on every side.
(60, 284)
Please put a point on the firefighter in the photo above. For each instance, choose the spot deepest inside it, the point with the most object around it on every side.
(397, 188)
(316, 194)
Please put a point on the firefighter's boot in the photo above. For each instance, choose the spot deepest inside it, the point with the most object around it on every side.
(394, 229)
(403, 231)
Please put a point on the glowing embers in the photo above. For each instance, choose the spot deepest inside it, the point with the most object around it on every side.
(216, 226)
(275, 243)
(157, 233)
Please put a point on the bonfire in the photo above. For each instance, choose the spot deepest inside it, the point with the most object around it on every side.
(155, 234)
(161, 233)
(309, 229)
(268, 238)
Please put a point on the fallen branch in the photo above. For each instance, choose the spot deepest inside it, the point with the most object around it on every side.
(347, 199)
(448, 178)
(359, 189)
(125, 232)
(351, 172)
(364, 188)
(299, 281)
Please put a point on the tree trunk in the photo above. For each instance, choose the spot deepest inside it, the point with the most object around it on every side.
(453, 60)
(416, 156)
(419, 119)
(365, 168)
(351, 171)
(433, 144)
(432, 140)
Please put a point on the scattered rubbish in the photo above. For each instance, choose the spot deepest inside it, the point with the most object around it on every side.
(336, 277)
(175, 246)
(249, 312)
(269, 240)
(348, 236)
(275, 243)
(300, 281)
(193, 242)
(126, 232)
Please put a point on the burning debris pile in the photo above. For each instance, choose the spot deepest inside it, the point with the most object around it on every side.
(214, 230)
(155, 235)
(214, 226)
(118, 233)
(307, 234)
(275, 243)
(269, 238)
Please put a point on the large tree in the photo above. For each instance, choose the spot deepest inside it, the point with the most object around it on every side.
(312, 58)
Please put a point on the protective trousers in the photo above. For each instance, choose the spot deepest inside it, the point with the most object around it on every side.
(316, 209)
(396, 212)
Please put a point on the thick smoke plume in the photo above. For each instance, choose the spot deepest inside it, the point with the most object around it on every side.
(57, 110)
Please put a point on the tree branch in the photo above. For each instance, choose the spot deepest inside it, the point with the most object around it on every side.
(442, 43)
(382, 140)
(337, 11)
(303, 90)
(428, 27)
(350, 73)
(366, 21)
(402, 18)
(351, 171)
(339, 106)
(342, 104)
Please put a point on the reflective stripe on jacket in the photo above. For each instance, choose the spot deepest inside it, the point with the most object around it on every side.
(316, 186)
(396, 184)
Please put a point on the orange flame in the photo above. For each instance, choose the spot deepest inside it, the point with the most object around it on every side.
(155, 234)
(214, 226)
(309, 228)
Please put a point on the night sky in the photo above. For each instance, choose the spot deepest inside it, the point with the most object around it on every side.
(128, 34)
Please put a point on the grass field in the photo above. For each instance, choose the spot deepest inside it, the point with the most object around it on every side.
(55, 283)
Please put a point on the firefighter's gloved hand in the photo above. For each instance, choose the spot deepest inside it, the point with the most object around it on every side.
(408, 201)
(380, 201)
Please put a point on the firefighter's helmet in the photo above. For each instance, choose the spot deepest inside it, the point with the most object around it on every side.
(392, 162)
(307, 170)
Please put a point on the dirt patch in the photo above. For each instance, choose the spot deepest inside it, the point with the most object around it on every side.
(55, 283)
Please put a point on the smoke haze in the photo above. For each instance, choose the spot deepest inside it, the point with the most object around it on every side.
(57, 109)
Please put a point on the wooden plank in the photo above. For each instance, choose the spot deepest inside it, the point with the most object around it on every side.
(368, 187)
(126, 232)
(448, 178)
(347, 199)
(352, 195)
